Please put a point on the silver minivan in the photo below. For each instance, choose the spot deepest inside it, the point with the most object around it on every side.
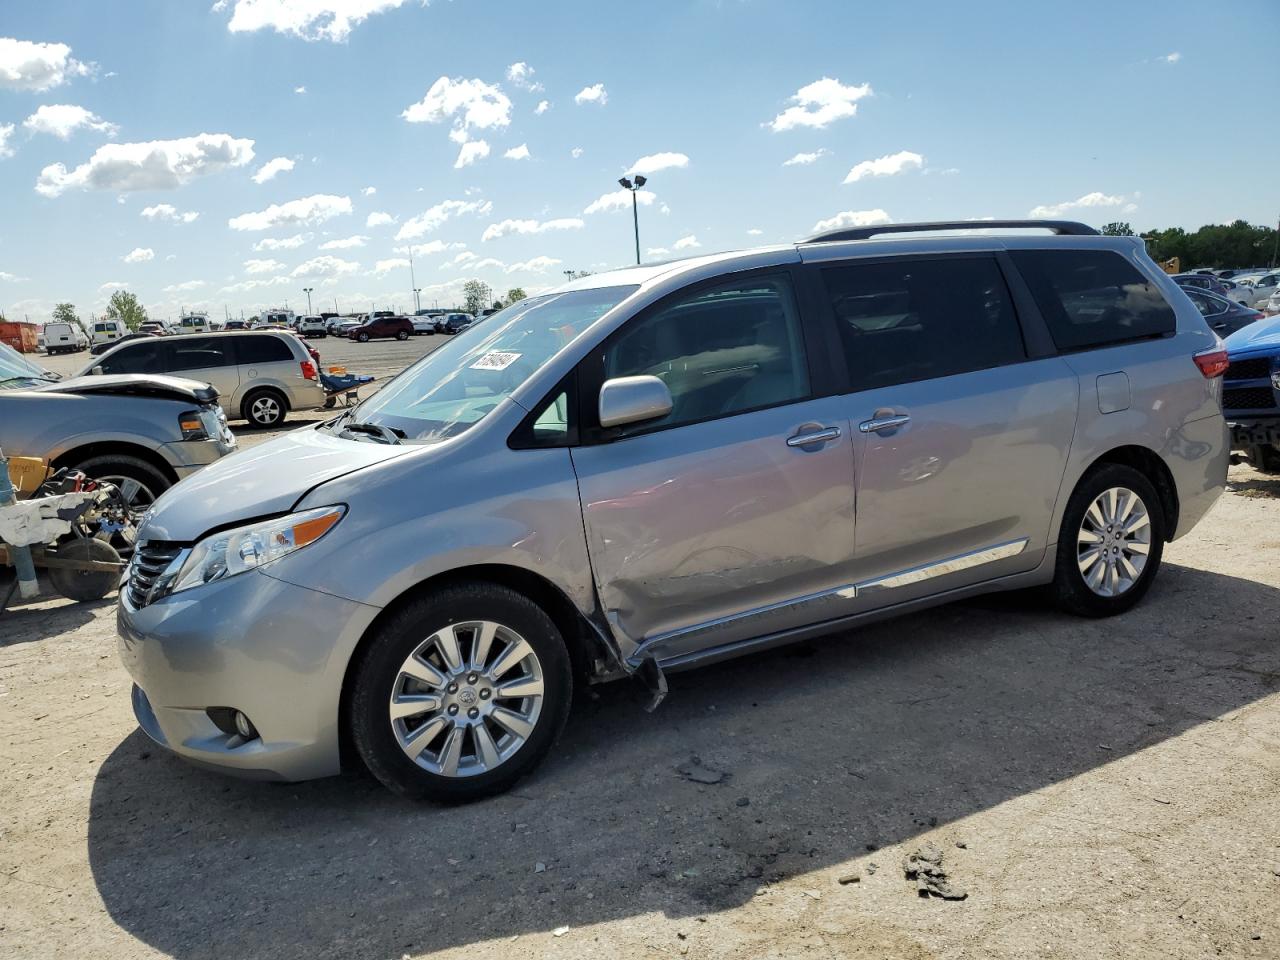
(260, 376)
(655, 468)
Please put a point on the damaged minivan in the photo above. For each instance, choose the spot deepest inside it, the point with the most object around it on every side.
(663, 466)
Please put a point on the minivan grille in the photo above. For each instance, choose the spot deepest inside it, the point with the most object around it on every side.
(1249, 398)
(1258, 368)
(150, 560)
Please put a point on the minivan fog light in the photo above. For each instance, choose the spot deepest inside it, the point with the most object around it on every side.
(244, 727)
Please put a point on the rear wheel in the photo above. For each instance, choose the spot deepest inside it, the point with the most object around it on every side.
(264, 408)
(402, 335)
(84, 585)
(1111, 542)
(460, 694)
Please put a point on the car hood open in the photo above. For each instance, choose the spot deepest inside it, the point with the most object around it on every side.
(262, 481)
(136, 385)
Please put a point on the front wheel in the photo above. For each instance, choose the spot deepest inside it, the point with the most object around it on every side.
(363, 337)
(1111, 542)
(460, 694)
(402, 335)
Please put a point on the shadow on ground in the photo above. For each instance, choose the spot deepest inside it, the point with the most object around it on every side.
(864, 739)
(27, 623)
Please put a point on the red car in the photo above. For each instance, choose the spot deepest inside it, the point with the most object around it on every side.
(401, 328)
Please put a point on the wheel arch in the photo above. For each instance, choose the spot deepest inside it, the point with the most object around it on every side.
(281, 394)
(1152, 466)
(102, 448)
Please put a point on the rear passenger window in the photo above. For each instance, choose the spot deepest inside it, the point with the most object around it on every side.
(262, 349)
(197, 353)
(1093, 298)
(907, 320)
(140, 358)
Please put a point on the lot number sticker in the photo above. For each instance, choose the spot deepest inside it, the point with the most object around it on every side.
(495, 361)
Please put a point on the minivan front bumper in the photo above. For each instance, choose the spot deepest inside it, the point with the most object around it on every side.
(275, 651)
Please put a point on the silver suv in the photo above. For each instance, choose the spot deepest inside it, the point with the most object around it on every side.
(663, 466)
(260, 375)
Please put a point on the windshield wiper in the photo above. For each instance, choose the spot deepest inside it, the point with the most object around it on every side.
(378, 431)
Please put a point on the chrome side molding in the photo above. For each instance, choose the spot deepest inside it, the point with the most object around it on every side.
(1001, 551)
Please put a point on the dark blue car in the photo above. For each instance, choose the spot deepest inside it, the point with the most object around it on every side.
(1224, 316)
(1251, 393)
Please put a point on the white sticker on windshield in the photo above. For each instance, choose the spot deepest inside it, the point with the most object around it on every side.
(496, 360)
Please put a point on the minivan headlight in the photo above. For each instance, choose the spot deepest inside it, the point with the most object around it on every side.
(229, 552)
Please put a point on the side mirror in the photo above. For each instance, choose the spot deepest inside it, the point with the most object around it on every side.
(625, 400)
(97, 370)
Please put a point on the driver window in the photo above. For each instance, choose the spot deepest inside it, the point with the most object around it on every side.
(721, 351)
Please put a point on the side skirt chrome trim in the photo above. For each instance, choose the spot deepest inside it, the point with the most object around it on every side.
(965, 561)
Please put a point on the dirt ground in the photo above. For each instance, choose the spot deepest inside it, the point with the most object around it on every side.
(1098, 789)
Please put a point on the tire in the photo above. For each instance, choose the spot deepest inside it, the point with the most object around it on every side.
(85, 585)
(363, 337)
(1072, 589)
(379, 675)
(402, 335)
(264, 409)
(140, 484)
(1268, 460)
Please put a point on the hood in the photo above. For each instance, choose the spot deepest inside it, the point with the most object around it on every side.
(137, 385)
(1257, 338)
(262, 481)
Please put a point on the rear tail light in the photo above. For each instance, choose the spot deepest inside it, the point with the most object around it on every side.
(309, 369)
(1212, 363)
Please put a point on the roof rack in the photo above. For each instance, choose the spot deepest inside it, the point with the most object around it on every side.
(1060, 227)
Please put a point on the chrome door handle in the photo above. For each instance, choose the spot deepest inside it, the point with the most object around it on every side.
(816, 436)
(884, 423)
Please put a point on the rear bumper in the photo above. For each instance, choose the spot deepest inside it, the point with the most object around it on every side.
(1198, 455)
(310, 396)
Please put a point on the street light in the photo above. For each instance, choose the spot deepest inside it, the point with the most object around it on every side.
(417, 300)
(626, 184)
(307, 291)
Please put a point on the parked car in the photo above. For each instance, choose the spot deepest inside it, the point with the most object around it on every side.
(1251, 394)
(100, 348)
(457, 322)
(665, 466)
(62, 337)
(236, 325)
(107, 331)
(423, 325)
(1224, 316)
(259, 376)
(1272, 306)
(153, 327)
(1263, 288)
(382, 328)
(312, 327)
(142, 433)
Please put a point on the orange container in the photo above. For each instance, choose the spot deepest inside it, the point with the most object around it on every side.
(23, 337)
(338, 371)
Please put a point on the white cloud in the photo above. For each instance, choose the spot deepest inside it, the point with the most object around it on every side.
(245, 286)
(378, 219)
(804, 159)
(63, 119)
(464, 257)
(819, 104)
(542, 107)
(431, 219)
(651, 164)
(37, 66)
(139, 255)
(167, 211)
(1171, 57)
(113, 285)
(754, 232)
(1089, 200)
(283, 243)
(325, 266)
(471, 151)
(885, 166)
(383, 267)
(430, 247)
(305, 210)
(852, 218)
(309, 19)
(521, 76)
(369, 191)
(253, 267)
(596, 93)
(620, 200)
(10, 277)
(152, 165)
(656, 251)
(469, 103)
(518, 153)
(300, 89)
(686, 243)
(496, 231)
(274, 166)
(346, 243)
(6, 131)
(185, 287)
(534, 265)
(576, 152)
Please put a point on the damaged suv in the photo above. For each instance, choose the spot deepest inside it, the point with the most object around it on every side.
(656, 468)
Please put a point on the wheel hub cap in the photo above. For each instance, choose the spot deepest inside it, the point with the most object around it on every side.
(1114, 542)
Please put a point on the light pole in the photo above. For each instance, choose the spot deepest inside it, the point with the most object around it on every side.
(413, 283)
(417, 300)
(307, 291)
(626, 183)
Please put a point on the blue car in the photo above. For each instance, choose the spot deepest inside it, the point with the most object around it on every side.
(1251, 394)
(1224, 315)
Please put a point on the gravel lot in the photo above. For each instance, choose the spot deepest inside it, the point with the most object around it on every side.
(1098, 788)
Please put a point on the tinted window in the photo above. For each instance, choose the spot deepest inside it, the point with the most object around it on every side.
(137, 358)
(721, 351)
(1207, 306)
(907, 320)
(262, 349)
(197, 353)
(1091, 298)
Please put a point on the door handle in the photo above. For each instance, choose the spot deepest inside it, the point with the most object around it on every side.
(812, 437)
(884, 423)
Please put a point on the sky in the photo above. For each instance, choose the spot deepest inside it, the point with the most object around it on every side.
(226, 155)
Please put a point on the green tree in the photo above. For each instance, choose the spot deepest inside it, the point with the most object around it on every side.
(65, 313)
(475, 295)
(125, 306)
(515, 294)
(1118, 228)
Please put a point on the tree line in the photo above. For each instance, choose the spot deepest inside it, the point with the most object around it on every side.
(1238, 244)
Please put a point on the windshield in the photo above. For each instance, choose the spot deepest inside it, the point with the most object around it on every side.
(16, 371)
(455, 386)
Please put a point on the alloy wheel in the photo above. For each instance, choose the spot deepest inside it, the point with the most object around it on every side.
(137, 497)
(265, 410)
(1114, 542)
